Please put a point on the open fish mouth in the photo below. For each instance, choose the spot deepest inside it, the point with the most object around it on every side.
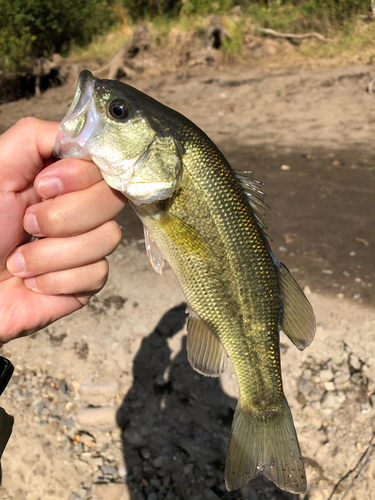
(81, 123)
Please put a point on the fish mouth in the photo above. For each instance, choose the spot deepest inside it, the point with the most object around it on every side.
(81, 123)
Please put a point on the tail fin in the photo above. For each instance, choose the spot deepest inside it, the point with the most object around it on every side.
(265, 445)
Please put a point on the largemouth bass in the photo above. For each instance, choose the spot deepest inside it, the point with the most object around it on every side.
(205, 219)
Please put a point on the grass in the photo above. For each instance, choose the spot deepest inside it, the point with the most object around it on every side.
(352, 39)
(102, 47)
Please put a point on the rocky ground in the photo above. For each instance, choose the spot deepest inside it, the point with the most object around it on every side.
(106, 405)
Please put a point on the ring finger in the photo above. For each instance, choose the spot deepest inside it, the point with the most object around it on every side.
(45, 255)
(83, 279)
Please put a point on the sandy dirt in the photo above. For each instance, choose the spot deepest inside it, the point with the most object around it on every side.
(106, 405)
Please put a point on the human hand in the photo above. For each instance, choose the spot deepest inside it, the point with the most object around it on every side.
(70, 207)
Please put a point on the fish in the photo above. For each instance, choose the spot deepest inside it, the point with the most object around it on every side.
(206, 220)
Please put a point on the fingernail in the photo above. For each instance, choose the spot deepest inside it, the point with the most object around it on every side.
(49, 187)
(30, 283)
(31, 224)
(16, 263)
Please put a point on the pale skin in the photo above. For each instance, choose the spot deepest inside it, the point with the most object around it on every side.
(68, 205)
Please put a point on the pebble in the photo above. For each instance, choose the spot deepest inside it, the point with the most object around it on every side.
(354, 361)
(86, 438)
(81, 466)
(145, 452)
(317, 495)
(210, 495)
(210, 482)
(332, 400)
(51, 428)
(102, 418)
(110, 470)
(342, 381)
(63, 386)
(159, 461)
(98, 394)
(98, 461)
(166, 481)
(329, 386)
(122, 471)
(109, 491)
(188, 469)
(316, 422)
(67, 422)
(326, 375)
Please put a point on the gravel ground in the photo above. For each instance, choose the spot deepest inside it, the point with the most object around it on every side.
(107, 407)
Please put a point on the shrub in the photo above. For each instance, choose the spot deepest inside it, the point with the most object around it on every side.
(36, 28)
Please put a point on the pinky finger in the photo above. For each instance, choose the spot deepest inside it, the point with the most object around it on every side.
(82, 281)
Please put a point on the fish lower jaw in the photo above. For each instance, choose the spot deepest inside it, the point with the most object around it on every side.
(138, 193)
(148, 192)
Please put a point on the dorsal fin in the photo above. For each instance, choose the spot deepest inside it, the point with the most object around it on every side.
(254, 195)
(206, 353)
(156, 258)
(298, 319)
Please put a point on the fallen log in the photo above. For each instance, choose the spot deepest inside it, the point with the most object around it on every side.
(293, 36)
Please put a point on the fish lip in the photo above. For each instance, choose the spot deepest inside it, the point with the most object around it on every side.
(81, 122)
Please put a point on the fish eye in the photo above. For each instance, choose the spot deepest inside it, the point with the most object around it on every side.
(119, 109)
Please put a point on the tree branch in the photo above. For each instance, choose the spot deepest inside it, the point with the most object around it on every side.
(278, 34)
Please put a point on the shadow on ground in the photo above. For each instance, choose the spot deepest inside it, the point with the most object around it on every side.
(176, 424)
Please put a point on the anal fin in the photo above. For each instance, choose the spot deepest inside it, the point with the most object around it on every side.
(298, 319)
(206, 353)
(264, 444)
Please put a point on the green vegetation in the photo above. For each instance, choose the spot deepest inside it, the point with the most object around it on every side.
(309, 11)
(35, 28)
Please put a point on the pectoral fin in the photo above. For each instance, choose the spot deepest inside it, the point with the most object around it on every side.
(185, 238)
(156, 258)
(206, 354)
(298, 320)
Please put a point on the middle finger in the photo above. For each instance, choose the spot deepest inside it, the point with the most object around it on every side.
(75, 212)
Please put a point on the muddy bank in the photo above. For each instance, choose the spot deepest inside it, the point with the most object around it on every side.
(308, 134)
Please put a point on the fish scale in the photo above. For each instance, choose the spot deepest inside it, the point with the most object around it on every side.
(244, 236)
(205, 220)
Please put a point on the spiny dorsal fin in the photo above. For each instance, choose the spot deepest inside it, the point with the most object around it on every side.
(156, 258)
(254, 195)
(205, 351)
(298, 319)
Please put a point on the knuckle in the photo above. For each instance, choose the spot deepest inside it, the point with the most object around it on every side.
(101, 274)
(113, 233)
(54, 279)
(27, 123)
(55, 220)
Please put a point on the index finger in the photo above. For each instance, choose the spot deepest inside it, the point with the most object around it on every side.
(65, 176)
(23, 148)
